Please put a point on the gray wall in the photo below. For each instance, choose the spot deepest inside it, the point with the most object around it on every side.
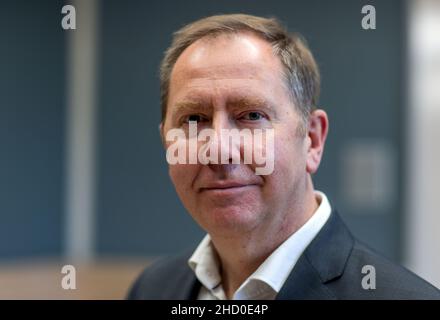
(32, 53)
(138, 212)
(138, 209)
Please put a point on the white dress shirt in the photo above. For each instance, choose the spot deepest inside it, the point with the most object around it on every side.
(266, 282)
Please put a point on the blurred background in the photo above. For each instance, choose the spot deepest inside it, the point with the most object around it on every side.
(83, 176)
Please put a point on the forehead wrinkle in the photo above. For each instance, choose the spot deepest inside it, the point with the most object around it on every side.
(248, 101)
(222, 71)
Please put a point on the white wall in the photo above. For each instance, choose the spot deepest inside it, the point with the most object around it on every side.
(423, 136)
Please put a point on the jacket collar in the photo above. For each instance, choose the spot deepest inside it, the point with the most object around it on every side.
(323, 260)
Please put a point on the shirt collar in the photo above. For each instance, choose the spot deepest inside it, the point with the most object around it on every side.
(274, 271)
(206, 264)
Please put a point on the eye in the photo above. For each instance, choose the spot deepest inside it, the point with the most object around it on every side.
(194, 118)
(253, 116)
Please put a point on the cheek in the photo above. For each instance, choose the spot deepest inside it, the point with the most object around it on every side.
(289, 156)
(182, 177)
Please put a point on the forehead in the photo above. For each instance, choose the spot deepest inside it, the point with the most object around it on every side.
(227, 65)
(240, 49)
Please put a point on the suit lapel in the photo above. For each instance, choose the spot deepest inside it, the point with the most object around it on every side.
(304, 284)
(194, 289)
(187, 284)
(322, 261)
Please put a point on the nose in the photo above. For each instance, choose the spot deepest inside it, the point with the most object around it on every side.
(228, 152)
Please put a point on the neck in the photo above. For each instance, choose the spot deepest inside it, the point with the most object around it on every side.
(251, 249)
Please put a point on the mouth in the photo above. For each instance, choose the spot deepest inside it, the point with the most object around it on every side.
(226, 188)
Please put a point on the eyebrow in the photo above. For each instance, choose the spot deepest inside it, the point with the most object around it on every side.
(234, 102)
(187, 107)
(248, 102)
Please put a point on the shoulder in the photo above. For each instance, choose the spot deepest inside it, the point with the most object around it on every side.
(369, 275)
(166, 278)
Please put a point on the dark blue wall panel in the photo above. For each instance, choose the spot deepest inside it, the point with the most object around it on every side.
(32, 85)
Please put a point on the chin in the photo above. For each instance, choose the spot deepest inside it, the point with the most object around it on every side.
(227, 220)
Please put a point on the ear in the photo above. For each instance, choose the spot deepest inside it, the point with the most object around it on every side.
(162, 136)
(317, 134)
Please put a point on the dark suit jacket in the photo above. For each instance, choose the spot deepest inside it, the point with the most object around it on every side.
(330, 268)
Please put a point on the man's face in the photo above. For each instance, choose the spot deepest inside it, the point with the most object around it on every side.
(235, 82)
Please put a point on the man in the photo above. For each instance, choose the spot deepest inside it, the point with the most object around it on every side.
(269, 236)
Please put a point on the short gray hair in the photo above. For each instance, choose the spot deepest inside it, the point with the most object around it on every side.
(300, 69)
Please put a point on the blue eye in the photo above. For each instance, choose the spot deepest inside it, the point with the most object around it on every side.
(253, 116)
